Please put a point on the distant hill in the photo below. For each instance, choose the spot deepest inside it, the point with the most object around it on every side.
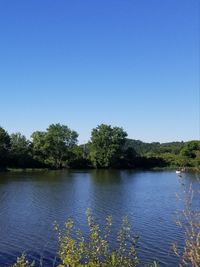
(143, 148)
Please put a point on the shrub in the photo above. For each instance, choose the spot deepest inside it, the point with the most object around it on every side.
(22, 262)
(95, 251)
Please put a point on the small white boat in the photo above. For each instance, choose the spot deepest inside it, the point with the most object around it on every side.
(178, 172)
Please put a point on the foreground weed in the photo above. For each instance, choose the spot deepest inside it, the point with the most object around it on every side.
(77, 250)
(189, 221)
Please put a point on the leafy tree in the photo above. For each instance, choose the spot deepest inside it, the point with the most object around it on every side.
(19, 143)
(20, 151)
(53, 146)
(106, 145)
(4, 147)
(39, 147)
(190, 149)
(78, 157)
(59, 139)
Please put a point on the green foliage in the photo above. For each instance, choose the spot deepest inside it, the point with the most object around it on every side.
(4, 140)
(22, 262)
(128, 159)
(109, 147)
(19, 143)
(142, 148)
(95, 250)
(4, 147)
(78, 157)
(20, 151)
(106, 145)
(53, 146)
(191, 153)
(39, 146)
(58, 140)
(175, 154)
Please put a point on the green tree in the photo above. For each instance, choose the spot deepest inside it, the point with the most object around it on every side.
(190, 149)
(53, 146)
(39, 147)
(106, 146)
(20, 151)
(59, 139)
(78, 157)
(4, 147)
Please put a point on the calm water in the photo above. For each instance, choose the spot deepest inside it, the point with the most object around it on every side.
(31, 202)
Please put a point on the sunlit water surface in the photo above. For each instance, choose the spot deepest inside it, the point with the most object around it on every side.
(30, 203)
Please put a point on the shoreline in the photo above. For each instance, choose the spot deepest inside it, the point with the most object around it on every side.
(12, 170)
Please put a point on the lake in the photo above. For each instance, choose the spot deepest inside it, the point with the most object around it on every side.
(30, 203)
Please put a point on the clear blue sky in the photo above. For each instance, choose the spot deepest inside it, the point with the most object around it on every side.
(129, 63)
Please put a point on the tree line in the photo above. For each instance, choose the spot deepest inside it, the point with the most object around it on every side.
(109, 147)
